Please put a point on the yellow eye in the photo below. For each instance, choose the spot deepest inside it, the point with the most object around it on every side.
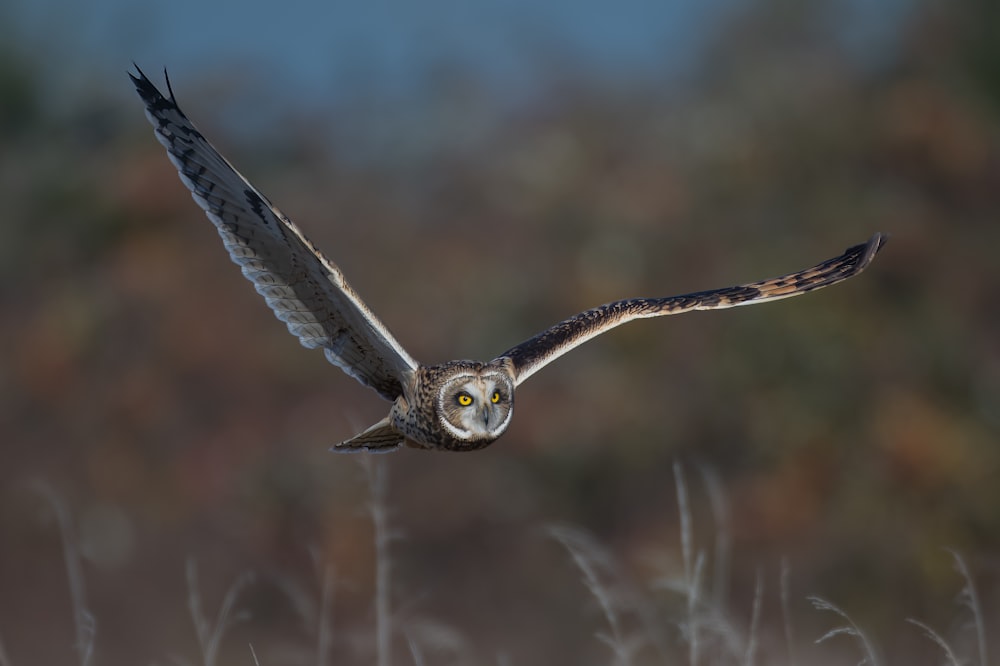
(464, 399)
(496, 397)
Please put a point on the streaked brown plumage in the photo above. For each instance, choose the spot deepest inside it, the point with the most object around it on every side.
(459, 405)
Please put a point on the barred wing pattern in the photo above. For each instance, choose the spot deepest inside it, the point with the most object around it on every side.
(303, 288)
(532, 355)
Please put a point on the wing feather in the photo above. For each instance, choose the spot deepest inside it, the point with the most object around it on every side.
(305, 290)
(531, 355)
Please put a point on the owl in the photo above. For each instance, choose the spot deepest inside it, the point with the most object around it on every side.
(454, 406)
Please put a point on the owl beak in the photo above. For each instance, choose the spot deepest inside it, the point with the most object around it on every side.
(486, 416)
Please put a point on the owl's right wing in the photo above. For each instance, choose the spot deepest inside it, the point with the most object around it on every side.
(304, 289)
(532, 355)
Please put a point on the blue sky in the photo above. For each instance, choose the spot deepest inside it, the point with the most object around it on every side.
(337, 49)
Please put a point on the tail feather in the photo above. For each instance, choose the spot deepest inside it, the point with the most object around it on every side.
(379, 438)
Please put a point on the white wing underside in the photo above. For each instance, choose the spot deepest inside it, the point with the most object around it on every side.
(303, 288)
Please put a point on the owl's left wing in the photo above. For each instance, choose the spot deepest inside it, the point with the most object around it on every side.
(532, 355)
(304, 289)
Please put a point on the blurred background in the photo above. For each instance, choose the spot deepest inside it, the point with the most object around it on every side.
(480, 171)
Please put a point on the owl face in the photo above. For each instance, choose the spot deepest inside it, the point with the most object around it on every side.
(476, 406)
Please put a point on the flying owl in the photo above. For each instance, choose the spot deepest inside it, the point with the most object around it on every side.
(456, 406)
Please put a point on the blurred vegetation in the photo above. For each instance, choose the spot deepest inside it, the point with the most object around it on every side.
(854, 431)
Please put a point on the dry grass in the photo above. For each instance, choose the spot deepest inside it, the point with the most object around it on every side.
(210, 634)
(636, 629)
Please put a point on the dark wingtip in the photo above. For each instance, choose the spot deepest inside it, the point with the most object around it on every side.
(146, 89)
(857, 257)
(170, 89)
(874, 245)
(880, 238)
(150, 94)
(137, 80)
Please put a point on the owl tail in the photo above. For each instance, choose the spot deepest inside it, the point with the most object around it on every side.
(379, 438)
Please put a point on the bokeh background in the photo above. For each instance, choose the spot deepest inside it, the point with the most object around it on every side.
(481, 170)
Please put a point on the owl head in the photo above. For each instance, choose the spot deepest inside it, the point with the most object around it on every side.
(476, 402)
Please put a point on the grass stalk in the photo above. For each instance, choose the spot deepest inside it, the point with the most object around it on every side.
(596, 566)
(786, 612)
(83, 620)
(324, 634)
(375, 469)
(934, 636)
(415, 653)
(723, 540)
(850, 629)
(4, 659)
(969, 597)
(758, 602)
(210, 635)
(694, 565)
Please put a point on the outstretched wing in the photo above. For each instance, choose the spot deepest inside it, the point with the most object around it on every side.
(303, 288)
(531, 355)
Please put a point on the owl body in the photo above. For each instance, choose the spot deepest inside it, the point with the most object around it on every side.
(456, 406)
